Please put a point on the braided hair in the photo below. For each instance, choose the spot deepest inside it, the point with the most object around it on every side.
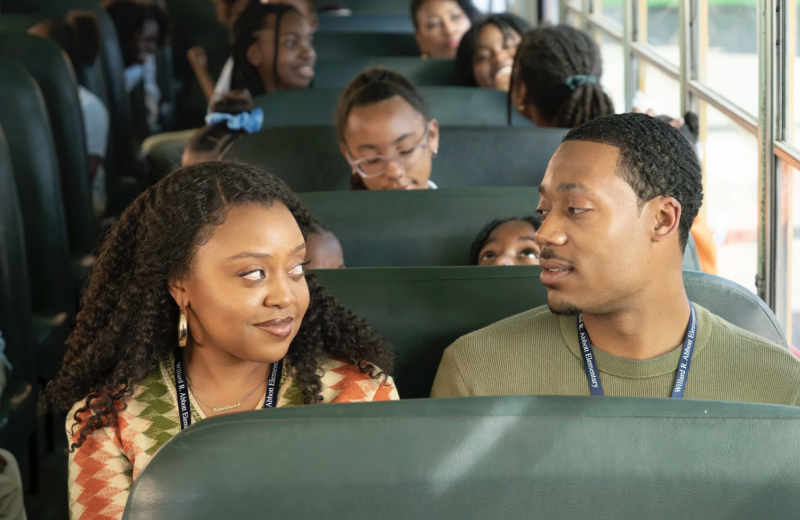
(218, 138)
(547, 62)
(127, 325)
(254, 19)
(374, 85)
(465, 58)
(655, 159)
(483, 236)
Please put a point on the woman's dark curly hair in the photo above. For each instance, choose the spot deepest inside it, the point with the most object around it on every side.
(655, 159)
(546, 60)
(465, 58)
(127, 325)
(483, 236)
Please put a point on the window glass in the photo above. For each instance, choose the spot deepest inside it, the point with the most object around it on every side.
(611, 9)
(658, 93)
(728, 51)
(613, 79)
(794, 264)
(793, 77)
(661, 29)
(730, 158)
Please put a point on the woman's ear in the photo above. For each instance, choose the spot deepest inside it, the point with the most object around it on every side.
(178, 291)
(433, 135)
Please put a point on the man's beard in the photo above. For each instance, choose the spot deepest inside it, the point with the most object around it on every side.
(567, 309)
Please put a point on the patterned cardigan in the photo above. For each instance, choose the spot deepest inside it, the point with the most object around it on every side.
(102, 470)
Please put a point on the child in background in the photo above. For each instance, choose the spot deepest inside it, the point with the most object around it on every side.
(486, 55)
(507, 242)
(228, 12)
(323, 249)
(440, 25)
(142, 28)
(232, 115)
(79, 35)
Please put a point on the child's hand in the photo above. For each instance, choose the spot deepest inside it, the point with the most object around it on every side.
(197, 57)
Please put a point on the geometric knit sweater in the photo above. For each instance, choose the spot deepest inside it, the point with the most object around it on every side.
(537, 353)
(102, 470)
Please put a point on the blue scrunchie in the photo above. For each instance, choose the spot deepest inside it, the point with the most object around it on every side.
(577, 80)
(249, 122)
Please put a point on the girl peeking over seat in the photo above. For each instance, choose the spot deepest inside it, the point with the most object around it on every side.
(386, 133)
(509, 241)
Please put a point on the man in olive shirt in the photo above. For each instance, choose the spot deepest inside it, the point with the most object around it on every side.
(617, 202)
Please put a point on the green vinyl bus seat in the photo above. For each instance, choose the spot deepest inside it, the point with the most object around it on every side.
(451, 106)
(422, 311)
(424, 73)
(423, 227)
(515, 458)
(463, 106)
(416, 228)
(308, 158)
(364, 23)
(18, 400)
(381, 7)
(36, 173)
(51, 69)
(343, 45)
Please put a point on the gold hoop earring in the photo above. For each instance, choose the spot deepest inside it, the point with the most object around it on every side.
(183, 329)
(521, 108)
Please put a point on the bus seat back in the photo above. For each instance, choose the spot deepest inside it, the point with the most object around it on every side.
(51, 69)
(423, 73)
(469, 156)
(476, 458)
(461, 106)
(344, 45)
(417, 228)
(367, 23)
(36, 172)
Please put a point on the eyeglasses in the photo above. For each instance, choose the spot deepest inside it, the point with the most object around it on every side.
(376, 165)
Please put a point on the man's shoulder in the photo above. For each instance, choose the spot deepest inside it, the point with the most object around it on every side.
(725, 332)
(753, 351)
(506, 331)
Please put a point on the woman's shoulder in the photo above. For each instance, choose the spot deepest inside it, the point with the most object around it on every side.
(344, 382)
(149, 400)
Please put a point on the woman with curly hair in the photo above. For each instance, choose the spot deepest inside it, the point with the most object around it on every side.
(198, 306)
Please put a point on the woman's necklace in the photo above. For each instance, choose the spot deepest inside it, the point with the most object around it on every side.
(230, 406)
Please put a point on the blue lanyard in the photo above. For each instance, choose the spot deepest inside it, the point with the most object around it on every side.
(184, 409)
(593, 375)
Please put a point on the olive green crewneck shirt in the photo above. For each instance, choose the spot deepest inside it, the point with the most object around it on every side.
(537, 353)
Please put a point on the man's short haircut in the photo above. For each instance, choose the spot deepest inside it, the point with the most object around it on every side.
(654, 158)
